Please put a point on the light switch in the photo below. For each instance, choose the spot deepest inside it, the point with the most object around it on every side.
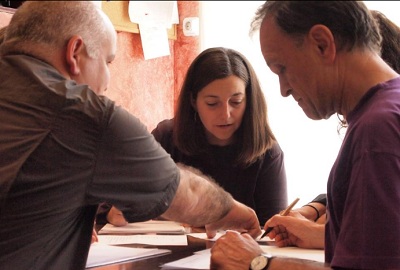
(191, 26)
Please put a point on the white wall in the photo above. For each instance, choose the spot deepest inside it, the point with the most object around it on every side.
(310, 146)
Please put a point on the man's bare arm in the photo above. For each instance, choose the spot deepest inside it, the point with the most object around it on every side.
(198, 200)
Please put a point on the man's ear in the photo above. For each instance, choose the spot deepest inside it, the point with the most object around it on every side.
(75, 47)
(324, 41)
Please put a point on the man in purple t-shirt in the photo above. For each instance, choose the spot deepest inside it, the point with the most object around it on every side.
(327, 57)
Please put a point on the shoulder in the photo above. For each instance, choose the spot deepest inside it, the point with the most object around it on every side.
(275, 151)
(163, 132)
(272, 155)
(165, 125)
(381, 102)
(376, 120)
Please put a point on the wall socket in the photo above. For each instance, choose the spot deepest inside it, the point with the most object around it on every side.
(191, 26)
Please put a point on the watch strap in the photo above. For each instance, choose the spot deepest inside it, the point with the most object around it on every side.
(269, 257)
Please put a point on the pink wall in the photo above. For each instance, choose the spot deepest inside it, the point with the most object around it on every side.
(186, 48)
(148, 88)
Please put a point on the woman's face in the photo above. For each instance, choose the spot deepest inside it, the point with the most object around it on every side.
(220, 106)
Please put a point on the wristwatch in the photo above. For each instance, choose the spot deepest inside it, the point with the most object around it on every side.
(260, 262)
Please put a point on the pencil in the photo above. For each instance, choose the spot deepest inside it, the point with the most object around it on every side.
(282, 213)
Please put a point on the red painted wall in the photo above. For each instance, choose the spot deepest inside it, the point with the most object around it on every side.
(149, 88)
(186, 48)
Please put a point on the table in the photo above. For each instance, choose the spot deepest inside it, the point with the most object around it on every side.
(153, 263)
(197, 244)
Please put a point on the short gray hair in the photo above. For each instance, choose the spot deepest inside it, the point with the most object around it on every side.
(350, 21)
(53, 23)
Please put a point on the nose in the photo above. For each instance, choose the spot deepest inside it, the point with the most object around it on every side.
(226, 111)
(284, 87)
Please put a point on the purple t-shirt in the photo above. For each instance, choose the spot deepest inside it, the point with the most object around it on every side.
(363, 229)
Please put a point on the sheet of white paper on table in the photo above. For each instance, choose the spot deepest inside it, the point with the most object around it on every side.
(204, 236)
(196, 261)
(295, 252)
(101, 254)
(151, 226)
(219, 234)
(204, 251)
(147, 239)
(201, 259)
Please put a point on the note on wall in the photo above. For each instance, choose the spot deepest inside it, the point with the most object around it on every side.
(157, 12)
(154, 18)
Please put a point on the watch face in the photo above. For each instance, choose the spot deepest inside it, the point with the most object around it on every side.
(258, 263)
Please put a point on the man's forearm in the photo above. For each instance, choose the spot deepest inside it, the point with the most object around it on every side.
(198, 200)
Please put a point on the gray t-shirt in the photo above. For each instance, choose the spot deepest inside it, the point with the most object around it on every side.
(64, 150)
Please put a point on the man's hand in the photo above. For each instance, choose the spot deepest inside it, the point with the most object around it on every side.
(240, 218)
(234, 251)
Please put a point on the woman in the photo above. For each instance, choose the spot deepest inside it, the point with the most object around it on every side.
(221, 128)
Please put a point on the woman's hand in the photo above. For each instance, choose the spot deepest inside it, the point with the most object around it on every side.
(116, 218)
(95, 238)
(296, 230)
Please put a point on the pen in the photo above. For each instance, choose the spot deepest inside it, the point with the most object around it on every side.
(282, 213)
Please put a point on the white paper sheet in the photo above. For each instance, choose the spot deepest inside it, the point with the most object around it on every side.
(204, 236)
(101, 254)
(159, 240)
(151, 226)
(295, 252)
(196, 261)
(154, 39)
(265, 239)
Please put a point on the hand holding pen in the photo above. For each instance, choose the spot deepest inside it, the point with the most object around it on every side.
(282, 213)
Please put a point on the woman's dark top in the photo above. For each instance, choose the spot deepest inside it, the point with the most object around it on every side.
(321, 198)
(261, 186)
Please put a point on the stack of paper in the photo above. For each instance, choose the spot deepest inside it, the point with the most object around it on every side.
(100, 254)
(146, 239)
(151, 226)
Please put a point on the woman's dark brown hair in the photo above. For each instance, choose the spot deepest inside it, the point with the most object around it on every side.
(390, 45)
(254, 137)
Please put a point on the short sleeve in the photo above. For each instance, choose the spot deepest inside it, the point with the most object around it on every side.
(132, 171)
